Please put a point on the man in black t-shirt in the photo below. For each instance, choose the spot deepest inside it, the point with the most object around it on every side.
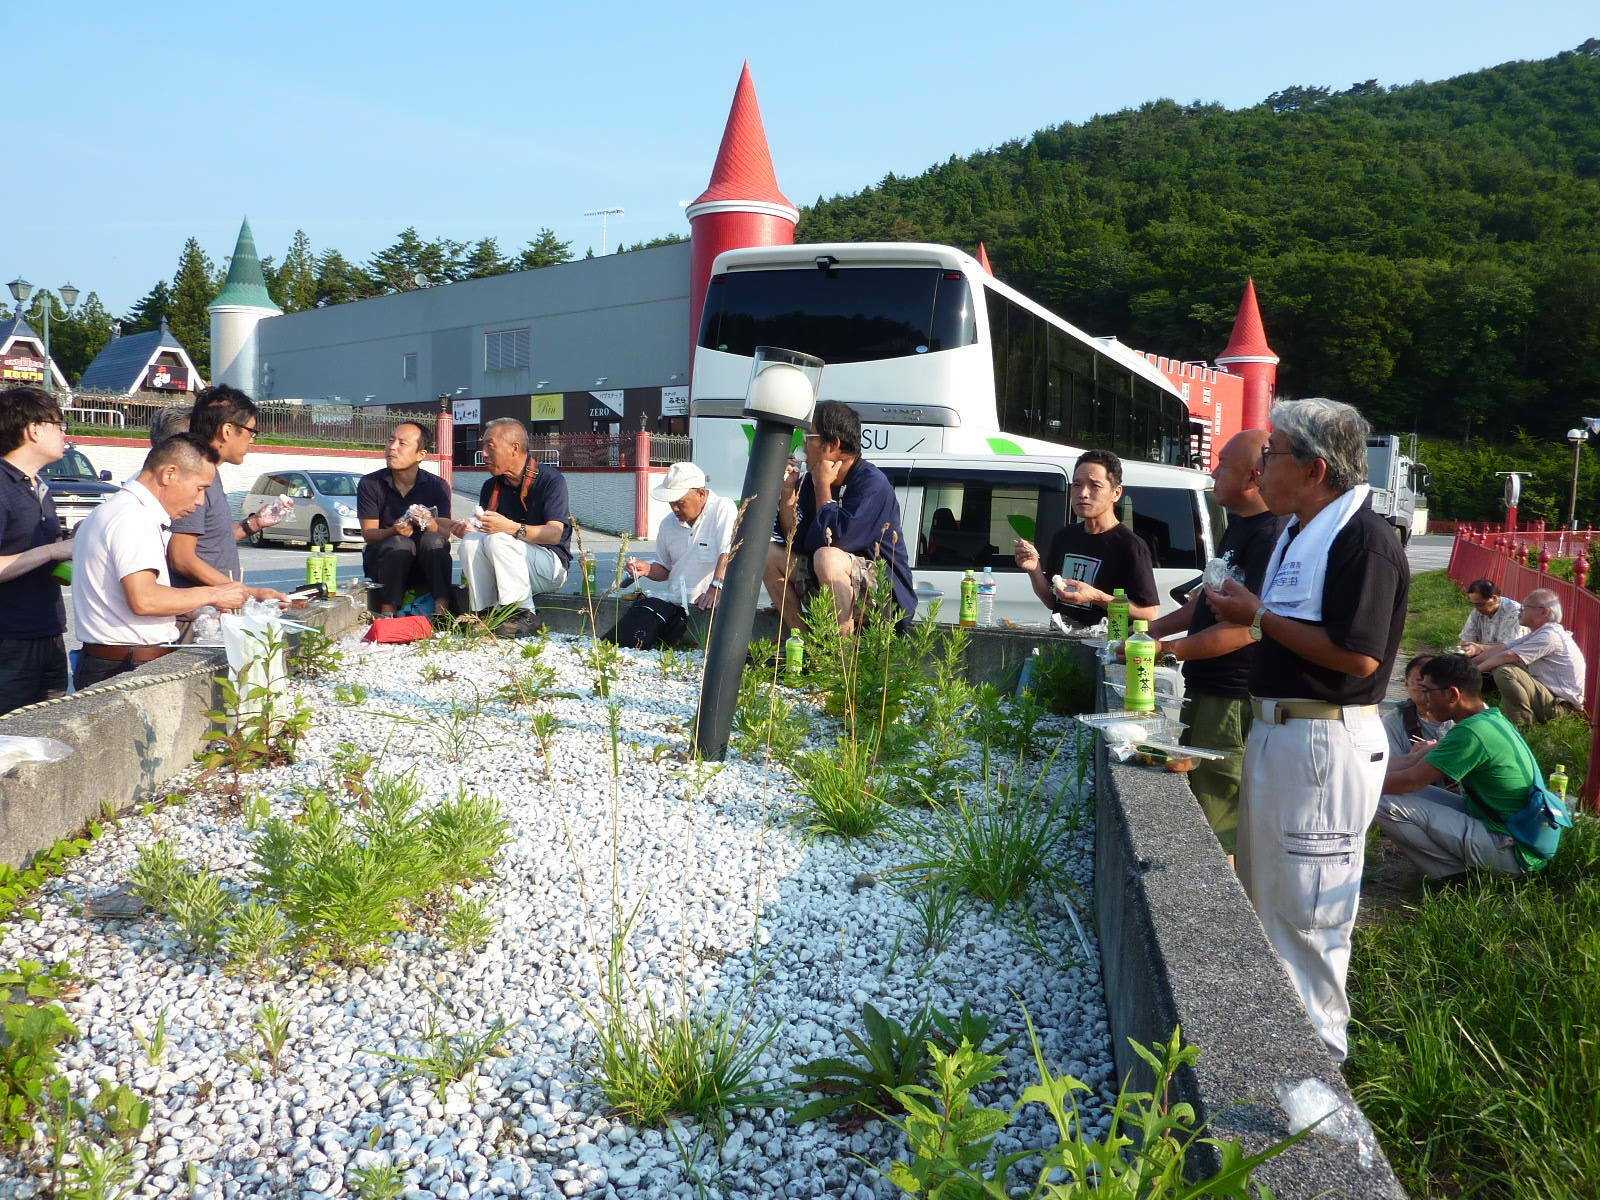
(520, 546)
(1216, 656)
(403, 546)
(1329, 620)
(1096, 557)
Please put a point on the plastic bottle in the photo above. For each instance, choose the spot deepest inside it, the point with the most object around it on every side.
(969, 600)
(1117, 613)
(1030, 672)
(62, 572)
(1558, 781)
(591, 575)
(313, 566)
(986, 587)
(1140, 651)
(794, 656)
(330, 569)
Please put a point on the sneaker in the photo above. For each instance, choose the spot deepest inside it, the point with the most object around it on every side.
(523, 624)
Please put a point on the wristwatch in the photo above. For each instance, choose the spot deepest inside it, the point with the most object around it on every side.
(522, 533)
(1169, 659)
(245, 525)
(716, 583)
(1255, 625)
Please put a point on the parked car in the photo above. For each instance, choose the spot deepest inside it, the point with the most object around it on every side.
(324, 506)
(76, 487)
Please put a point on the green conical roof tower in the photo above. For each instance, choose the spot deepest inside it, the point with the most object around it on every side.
(246, 284)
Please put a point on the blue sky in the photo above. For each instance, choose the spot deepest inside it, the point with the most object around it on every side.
(352, 121)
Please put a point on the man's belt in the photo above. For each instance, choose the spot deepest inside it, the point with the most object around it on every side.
(126, 654)
(1276, 712)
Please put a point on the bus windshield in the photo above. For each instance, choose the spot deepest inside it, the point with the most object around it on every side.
(856, 314)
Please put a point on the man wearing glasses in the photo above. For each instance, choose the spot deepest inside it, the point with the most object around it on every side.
(1539, 674)
(1494, 618)
(1442, 833)
(33, 619)
(1328, 622)
(204, 547)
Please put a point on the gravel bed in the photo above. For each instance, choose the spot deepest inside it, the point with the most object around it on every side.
(732, 904)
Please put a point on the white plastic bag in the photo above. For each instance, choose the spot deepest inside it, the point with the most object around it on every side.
(1310, 1100)
(255, 642)
(15, 751)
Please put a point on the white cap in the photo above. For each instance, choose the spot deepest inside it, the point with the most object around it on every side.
(681, 477)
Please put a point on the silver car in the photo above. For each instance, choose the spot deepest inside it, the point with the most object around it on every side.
(324, 507)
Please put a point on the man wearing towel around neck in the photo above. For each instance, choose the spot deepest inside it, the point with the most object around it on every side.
(1329, 621)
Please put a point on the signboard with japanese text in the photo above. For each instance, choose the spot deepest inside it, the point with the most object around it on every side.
(21, 368)
(611, 399)
(674, 402)
(163, 377)
(547, 406)
(466, 412)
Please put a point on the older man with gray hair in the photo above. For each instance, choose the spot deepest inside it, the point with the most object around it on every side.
(1540, 673)
(1328, 620)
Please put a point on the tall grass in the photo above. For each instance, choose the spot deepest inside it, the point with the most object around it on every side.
(1475, 1046)
(1435, 613)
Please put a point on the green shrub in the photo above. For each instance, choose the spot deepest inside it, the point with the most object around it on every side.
(29, 1035)
(157, 874)
(845, 791)
(1060, 685)
(200, 906)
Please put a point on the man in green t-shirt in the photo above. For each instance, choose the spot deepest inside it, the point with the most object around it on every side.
(1442, 833)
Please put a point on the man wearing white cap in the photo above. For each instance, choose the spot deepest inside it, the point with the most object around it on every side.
(692, 549)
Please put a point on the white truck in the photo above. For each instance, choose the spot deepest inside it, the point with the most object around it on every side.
(1398, 482)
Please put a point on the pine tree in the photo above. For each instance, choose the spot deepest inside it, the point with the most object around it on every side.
(147, 314)
(296, 281)
(76, 337)
(193, 289)
(485, 259)
(546, 250)
(339, 281)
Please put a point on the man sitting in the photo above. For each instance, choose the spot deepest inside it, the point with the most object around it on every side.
(401, 548)
(1539, 674)
(521, 546)
(1442, 833)
(1407, 723)
(1494, 618)
(123, 602)
(837, 523)
(692, 547)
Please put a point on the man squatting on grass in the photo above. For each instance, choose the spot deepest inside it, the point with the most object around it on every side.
(1095, 556)
(1539, 674)
(525, 544)
(1442, 833)
(1217, 656)
(1329, 623)
(692, 547)
(841, 519)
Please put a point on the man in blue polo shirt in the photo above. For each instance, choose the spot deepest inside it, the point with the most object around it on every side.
(400, 546)
(33, 657)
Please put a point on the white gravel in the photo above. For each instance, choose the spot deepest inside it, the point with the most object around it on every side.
(726, 892)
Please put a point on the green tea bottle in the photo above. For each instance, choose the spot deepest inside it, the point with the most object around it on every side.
(62, 572)
(794, 656)
(1558, 781)
(1117, 616)
(330, 569)
(1140, 651)
(313, 566)
(969, 601)
(591, 575)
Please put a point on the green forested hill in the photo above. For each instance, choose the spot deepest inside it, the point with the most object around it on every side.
(1430, 252)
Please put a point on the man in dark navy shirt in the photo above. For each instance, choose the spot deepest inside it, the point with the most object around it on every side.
(837, 524)
(1328, 621)
(33, 657)
(402, 545)
(519, 545)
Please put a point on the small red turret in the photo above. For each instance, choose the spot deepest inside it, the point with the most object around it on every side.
(742, 205)
(983, 259)
(1249, 357)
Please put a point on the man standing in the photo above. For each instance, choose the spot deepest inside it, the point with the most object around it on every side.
(1096, 556)
(692, 548)
(122, 599)
(399, 546)
(1494, 618)
(1540, 673)
(522, 545)
(1442, 833)
(837, 524)
(204, 547)
(1216, 656)
(33, 657)
(1329, 624)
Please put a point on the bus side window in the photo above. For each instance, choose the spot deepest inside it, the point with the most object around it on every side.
(971, 525)
(1168, 519)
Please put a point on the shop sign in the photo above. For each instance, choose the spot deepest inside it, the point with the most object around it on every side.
(612, 401)
(466, 412)
(21, 368)
(674, 402)
(547, 406)
(165, 378)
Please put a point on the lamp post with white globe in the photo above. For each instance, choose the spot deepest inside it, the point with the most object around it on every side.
(21, 290)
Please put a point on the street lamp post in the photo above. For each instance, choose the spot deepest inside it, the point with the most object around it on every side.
(1577, 437)
(21, 289)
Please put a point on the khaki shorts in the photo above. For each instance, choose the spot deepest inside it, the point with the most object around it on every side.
(805, 579)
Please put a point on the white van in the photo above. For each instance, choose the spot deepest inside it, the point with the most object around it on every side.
(962, 512)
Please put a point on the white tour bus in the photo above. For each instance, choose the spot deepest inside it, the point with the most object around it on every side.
(960, 380)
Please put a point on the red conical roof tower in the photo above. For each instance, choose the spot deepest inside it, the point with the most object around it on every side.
(983, 259)
(1249, 357)
(742, 205)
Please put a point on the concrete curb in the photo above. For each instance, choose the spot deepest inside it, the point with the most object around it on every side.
(128, 735)
(1181, 946)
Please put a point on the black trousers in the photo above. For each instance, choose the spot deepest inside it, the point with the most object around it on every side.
(92, 670)
(398, 562)
(649, 623)
(31, 670)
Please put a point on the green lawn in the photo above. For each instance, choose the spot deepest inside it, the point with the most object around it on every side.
(1475, 1039)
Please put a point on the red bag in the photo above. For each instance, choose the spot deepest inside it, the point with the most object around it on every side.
(399, 629)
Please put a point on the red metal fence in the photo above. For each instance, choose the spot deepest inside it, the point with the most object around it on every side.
(1480, 556)
(1559, 543)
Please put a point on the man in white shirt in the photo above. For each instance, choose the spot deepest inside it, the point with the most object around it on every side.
(692, 548)
(123, 601)
(1494, 618)
(1540, 673)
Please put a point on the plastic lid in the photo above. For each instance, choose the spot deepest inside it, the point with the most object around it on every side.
(1140, 626)
(1118, 592)
(1560, 770)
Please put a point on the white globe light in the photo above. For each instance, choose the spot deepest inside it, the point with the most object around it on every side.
(781, 392)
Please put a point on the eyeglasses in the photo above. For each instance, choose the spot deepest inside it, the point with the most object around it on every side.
(1430, 690)
(250, 429)
(1267, 453)
(56, 421)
